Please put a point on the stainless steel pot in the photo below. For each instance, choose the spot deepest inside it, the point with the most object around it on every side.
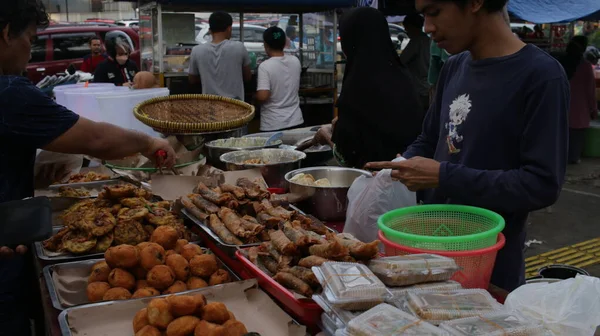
(216, 148)
(278, 163)
(326, 203)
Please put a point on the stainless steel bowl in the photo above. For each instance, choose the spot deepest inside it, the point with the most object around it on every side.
(216, 148)
(278, 163)
(326, 203)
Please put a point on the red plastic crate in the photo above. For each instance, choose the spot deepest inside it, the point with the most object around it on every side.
(305, 311)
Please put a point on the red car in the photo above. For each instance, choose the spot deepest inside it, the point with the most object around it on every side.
(58, 47)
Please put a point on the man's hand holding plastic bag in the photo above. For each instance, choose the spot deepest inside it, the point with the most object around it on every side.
(371, 197)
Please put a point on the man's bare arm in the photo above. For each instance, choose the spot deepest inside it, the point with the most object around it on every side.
(194, 80)
(263, 95)
(247, 73)
(108, 142)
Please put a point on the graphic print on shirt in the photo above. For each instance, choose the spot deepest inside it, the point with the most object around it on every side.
(459, 110)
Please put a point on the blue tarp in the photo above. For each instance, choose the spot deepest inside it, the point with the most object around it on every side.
(552, 11)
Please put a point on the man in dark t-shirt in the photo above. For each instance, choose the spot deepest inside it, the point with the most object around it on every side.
(496, 134)
(30, 120)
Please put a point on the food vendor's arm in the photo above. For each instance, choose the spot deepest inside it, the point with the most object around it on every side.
(263, 86)
(34, 120)
(537, 183)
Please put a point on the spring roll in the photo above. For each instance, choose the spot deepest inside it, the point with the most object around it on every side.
(233, 222)
(358, 249)
(251, 227)
(289, 281)
(219, 228)
(331, 250)
(312, 261)
(252, 190)
(314, 237)
(305, 275)
(203, 204)
(238, 192)
(316, 225)
(282, 260)
(253, 254)
(212, 196)
(264, 236)
(193, 210)
(297, 237)
(278, 211)
(269, 263)
(268, 220)
(282, 243)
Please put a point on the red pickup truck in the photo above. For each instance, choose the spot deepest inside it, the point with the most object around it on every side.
(58, 47)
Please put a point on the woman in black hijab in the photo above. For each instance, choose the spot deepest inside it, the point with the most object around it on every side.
(379, 110)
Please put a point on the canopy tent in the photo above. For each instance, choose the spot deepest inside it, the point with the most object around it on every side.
(552, 11)
(257, 6)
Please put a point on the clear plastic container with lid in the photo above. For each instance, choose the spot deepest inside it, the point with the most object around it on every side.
(350, 286)
(495, 324)
(413, 269)
(390, 321)
(441, 286)
(437, 307)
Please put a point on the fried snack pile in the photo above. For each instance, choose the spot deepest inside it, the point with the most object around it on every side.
(243, 214)
(72, 192)
(86, 177)
(164, 266)
(122, 214)
(292, 252)
(185, 315)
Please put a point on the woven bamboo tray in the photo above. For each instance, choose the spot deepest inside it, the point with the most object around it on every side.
(193, 113)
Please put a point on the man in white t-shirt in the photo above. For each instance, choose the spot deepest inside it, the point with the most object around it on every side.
(222, 65)
(278, 85)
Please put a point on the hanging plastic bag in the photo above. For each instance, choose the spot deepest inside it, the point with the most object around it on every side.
(371, 197)
(51, 167)
(569, 307)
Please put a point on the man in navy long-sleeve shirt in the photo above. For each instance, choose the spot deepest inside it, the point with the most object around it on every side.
(496, 134)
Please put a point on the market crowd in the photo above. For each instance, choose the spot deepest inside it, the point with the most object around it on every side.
(481, 118)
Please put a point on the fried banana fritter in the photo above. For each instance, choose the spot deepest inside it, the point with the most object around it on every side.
(129, 232)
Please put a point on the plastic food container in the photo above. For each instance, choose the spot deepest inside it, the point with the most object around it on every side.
(498, 324)
(390, 321)
(340, 316)
(413, 269)
(437, 307)
(305, 311)
(442, 286)
(350, 286)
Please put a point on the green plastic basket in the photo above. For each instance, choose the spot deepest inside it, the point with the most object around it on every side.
(442, 227)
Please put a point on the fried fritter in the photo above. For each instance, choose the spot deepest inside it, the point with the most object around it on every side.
(149, 229)
(235, 328)
(215, 312)
(122, 256)
(176, 287)
(141, 283)
(183, 326)
(160, 216)
(200, 303)
(161, 277)
(205, 328)
(143, 193)
(219, 277)
(117, 293)
(100, 272)
(96, 291)
(165, 236)
(203, 266)
(104, 243)
(78, 242)
(182, 231)
(119, 191)
(190, 250)
(159, 313)
(161, 204)
(129, 232)
(54, 243)
(137, 214)
(148, 331)
(182, 305)
(145, 292)
(134, 202)
(140, 320)
(152, 255)
(121, 278)
(196, 283)
(77, 207)
(139, 272)
(179, 265)
(180, 244)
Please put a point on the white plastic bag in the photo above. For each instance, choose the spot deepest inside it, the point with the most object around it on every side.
(371, 197)
(569, 307)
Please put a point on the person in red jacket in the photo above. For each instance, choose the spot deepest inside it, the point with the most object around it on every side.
(91, 61)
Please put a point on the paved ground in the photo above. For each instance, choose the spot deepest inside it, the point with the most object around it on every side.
(574, 219)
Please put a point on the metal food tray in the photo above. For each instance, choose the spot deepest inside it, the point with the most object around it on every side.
(230, 249)
(40, 252)
(48, 271)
